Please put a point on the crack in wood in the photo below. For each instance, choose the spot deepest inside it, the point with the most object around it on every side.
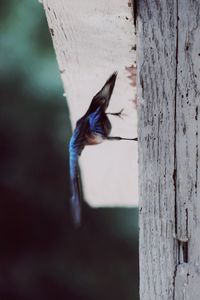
(175, 158)
(182, 252)
(197, 151)
(174, 281)
(183, 244)
(135, 7)
(175, 124)
(175, 203)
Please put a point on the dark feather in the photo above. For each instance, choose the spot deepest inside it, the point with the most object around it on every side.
(102, 98)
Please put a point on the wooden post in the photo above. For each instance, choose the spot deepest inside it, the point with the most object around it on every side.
(92, 39)
(168, 129)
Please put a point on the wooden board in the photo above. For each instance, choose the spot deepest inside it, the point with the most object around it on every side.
(168, 113)
(91, 40)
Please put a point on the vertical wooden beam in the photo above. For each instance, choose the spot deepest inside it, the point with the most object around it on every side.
(187, 283)
(157, 42)
(168, 92)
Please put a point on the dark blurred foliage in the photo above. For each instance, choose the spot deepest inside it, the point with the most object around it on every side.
(41, 255)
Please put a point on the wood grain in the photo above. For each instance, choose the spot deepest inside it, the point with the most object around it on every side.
(187, 148)
(168, 92)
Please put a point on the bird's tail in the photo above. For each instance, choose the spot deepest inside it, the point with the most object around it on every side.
(75, 200)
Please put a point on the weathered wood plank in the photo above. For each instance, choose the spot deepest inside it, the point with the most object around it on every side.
(156, 29)
(91, 40)
(169, 92)
(187, 148)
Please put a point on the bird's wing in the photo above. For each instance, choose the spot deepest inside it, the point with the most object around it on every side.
(102, 98)
(94, 121)
(76, 146)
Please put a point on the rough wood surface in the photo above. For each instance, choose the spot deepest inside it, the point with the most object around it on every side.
(168, 92)
(187, 151)
(92, 39)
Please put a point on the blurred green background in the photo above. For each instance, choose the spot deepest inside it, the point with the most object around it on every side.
(41, 255)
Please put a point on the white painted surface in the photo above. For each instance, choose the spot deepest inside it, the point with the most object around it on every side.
(169, 93)
(92, 39)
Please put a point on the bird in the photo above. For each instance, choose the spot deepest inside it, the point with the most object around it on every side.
(91, 129)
